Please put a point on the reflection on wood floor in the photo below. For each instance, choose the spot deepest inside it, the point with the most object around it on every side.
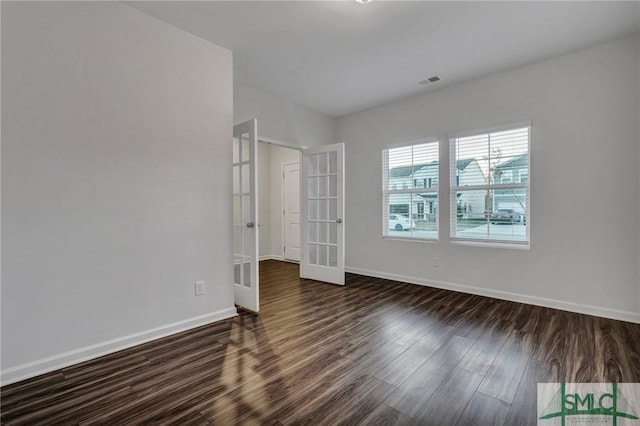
(373, 352)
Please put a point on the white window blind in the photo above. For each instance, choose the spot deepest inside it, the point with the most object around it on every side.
(410, 191)
(490, 186)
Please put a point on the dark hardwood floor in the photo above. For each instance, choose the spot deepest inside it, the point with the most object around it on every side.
(372, 352)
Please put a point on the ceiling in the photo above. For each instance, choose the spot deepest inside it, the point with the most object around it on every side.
(341, 57)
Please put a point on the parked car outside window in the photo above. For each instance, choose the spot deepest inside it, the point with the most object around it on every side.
(398, 222)
(510, 216)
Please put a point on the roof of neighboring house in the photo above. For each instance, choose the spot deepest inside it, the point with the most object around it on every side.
(519, 161)
(463, 164)
(406, 171)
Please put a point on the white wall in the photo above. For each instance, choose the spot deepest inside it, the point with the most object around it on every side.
(116, 181)
(281, 120)
(585, 150)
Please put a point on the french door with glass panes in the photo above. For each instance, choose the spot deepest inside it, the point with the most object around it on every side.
(323, 214)
(245, 216)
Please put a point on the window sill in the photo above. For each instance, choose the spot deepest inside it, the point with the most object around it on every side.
(411, 239)
(492, 244)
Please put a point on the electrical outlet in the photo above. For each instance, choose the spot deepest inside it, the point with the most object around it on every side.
(199, 287)
(435, 263)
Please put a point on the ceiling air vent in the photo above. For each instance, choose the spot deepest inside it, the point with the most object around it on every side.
(429, 80)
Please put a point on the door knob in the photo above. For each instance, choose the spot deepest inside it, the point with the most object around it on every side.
(338, 220)
(250, 225)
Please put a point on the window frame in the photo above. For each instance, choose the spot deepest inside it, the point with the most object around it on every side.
(387, 192)
(455, 187)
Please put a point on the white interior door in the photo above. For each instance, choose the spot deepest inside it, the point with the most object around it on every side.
(291, 210)
(245, 215)
(323, 214)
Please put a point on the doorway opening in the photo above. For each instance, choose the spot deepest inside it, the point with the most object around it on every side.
(279, 201)
(294, 197)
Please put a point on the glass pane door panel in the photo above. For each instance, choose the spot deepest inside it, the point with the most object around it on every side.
(246, 272)
(333, 186)
(236, 150)
(322, 186)
(313, 165)
(236, 179)
(322, 209)
(313, 187)
(322, 255)
(313, 254)
(333, 233)
(313, 209)
(246, 211)
(333, 162)
(322, 232)
(333, 209)
(237, 271)
(313, 232)
(323, 164)
(237, 241)
(237, 219)
(245, 182)
(333, 256)
(244, 151)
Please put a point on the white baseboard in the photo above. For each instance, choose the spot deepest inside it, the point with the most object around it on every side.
(275, 257)
(505, 295)
(46, 365)
(270, 257)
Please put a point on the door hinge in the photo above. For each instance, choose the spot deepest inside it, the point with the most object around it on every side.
(283, 213)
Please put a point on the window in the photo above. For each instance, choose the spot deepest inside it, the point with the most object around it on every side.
(490, 186)
(414, 168)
